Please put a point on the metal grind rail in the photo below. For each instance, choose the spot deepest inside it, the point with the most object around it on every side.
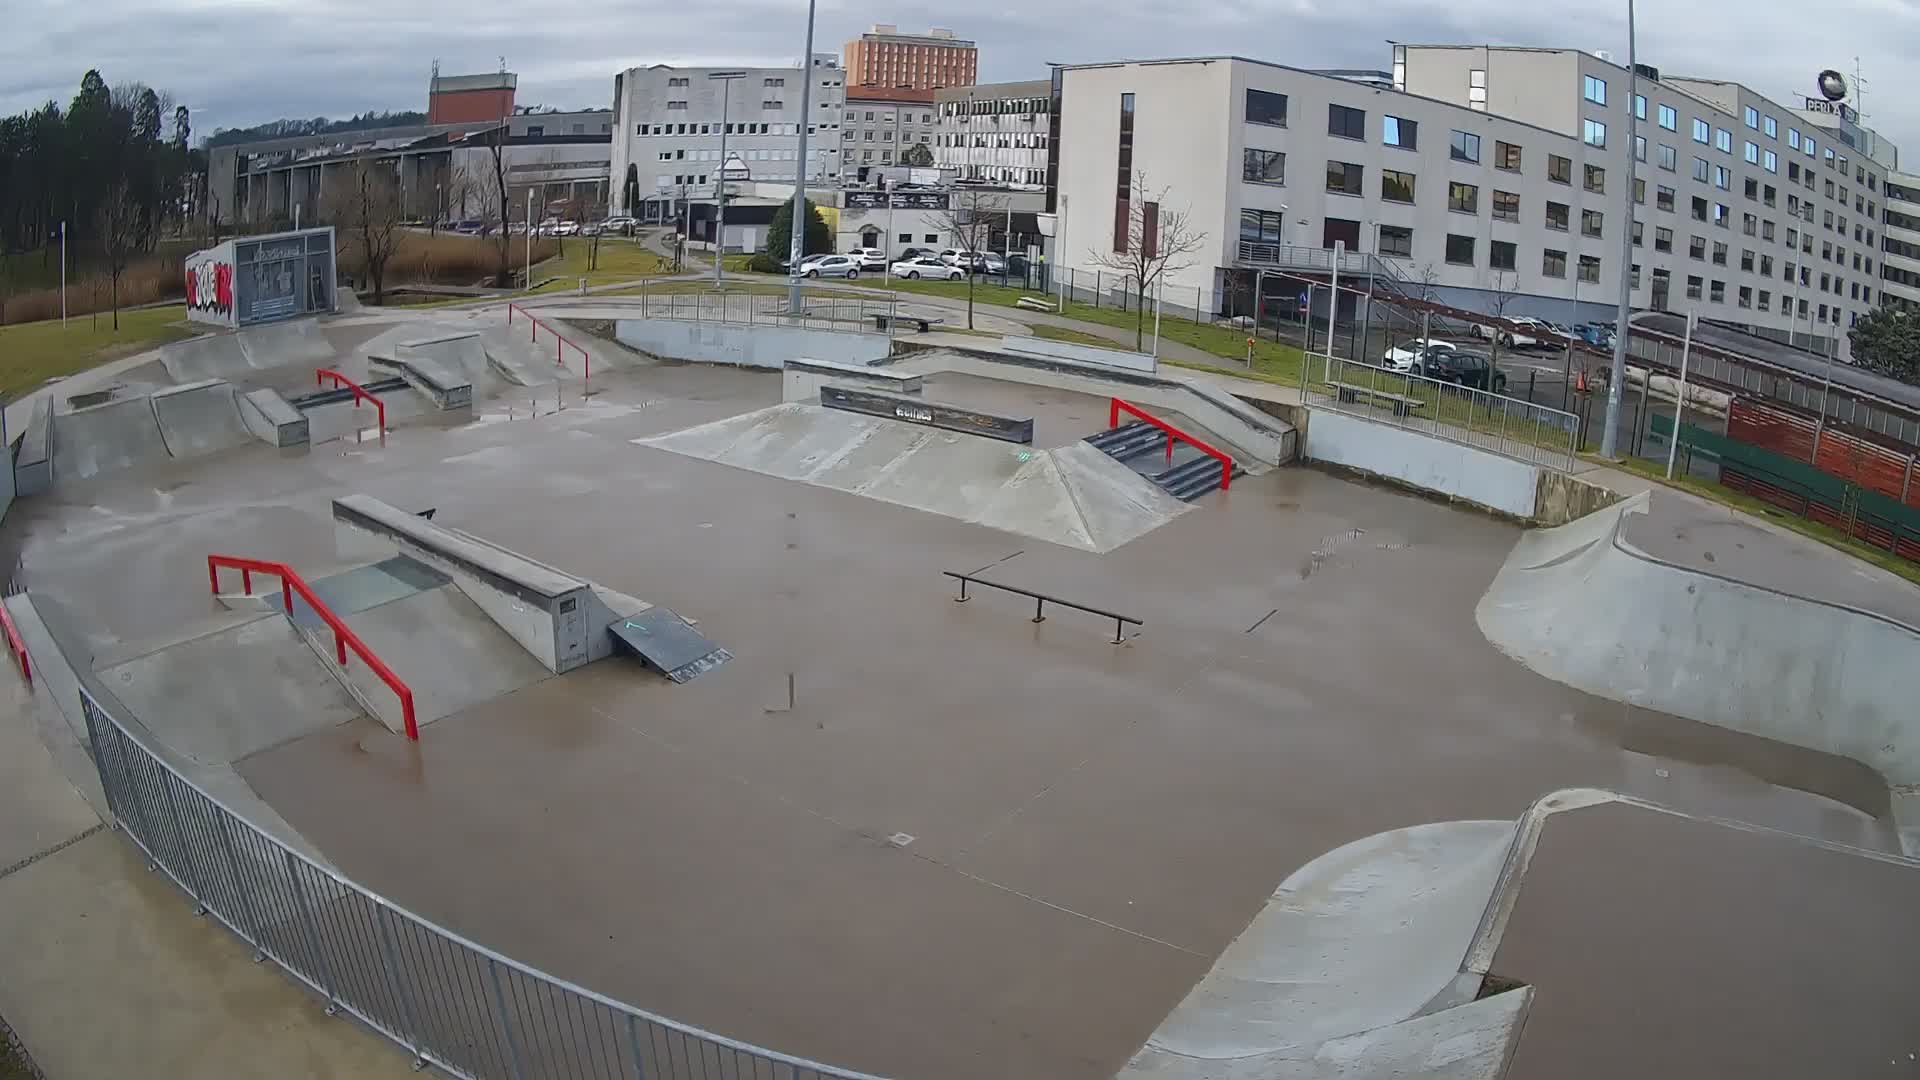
(1173, 434)
(560, 341)
(1040, 602)
(360, 393)
(343, 638)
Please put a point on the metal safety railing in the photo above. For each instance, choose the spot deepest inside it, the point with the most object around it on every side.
(343, 638)
(1115, 407)
(848, 314)
(448, 1001)
(1518, 429)
(560, 341)
(16, 644)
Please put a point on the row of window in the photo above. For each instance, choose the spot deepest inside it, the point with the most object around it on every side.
(889, 117)
(714, 129)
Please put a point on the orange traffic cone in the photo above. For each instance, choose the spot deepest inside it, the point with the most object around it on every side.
(1580, 383)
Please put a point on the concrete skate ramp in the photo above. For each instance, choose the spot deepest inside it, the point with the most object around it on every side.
(200, 418)
(1074, 496)
(223, 695)
(450, 654)
(106, 438)
(1581, 605)
(293, 343)
(1356, 941)
(510, 356)
(215, 356)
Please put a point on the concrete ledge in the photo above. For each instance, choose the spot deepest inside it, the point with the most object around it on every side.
(747, 344)
(33, 462)
(1125, 359)
(804, 377)
(271, 419)
(444, 386)
(929, 413)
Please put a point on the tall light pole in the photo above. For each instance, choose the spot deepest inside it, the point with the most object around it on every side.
(796, 249)
(725, 79)
(1617, 374)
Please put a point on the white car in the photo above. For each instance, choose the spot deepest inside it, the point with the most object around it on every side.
(810, 260)
(953, 257)
(1404, 357)
(567, 228)
(926, 267)
(845, 266)
(870, 258)
(1517, 338)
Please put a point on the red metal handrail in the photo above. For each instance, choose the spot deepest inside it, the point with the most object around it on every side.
(16, 645)
(559, 340)
(343, 638)
(321, 376)
(1172, 433)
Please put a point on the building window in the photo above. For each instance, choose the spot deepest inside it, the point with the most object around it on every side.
(1699, 210)
(1751, 188)
(1640, 106)
(1590, 222)
(1262, 226)
(1463, 198)
(1506, 156)
(1594, 133)
(1766, 300)
(1669, 119)
(1266, 108)
(1663, 198)
(1557, 216)
(1723, 140)
(1639, 148)
(1746, 260)
(1346, 123)
(1502, 255)
(1697, 248)
(1343, 177)
(1769, 195)
(1639, 191)
(1719, 253)
(1701, 131)
(1702, 169)
(1559, 169)
(1464, 147)
(1722, 178)
(1669, 158)
(1396, 240)
(1506, 206)
(1663, 240)
(1553, 263)
(1477, 90)
(1395, 131)
(1639, 234)
(1752, 151)
(1396, 186)
(1594, 90)
(1264, 167)
(1590, 269)
(1766, 266)
(1752, 116)
(1773, 128)
(1596, 179)
(1722, 216)
(1695, 285)
(1123, 193)
(1459, 249)
(1749, 225)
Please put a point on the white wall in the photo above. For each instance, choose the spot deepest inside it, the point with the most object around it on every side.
(747, 346)
(1424, 462)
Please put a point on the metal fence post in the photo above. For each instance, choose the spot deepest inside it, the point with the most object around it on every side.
(401, 996)
(240, 891)
(506, 1023)
(320, 965)
(633, 1042)
(194, 888)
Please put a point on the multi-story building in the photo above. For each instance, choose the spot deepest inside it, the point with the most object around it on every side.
(996, 132)
(880, 125)
(668, 123)
(1739, 214)
(1900, 246)
(883, 56)
(1792, 202)
(455, 99)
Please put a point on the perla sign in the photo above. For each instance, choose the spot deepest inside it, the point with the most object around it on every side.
(1834, 108)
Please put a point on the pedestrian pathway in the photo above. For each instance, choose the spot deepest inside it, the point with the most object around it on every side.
(106, 971)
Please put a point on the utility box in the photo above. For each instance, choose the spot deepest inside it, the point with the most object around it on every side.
(256, 279)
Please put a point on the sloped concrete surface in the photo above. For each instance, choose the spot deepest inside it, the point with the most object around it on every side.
(1360, 938)
(1074, 496)
(200, 418)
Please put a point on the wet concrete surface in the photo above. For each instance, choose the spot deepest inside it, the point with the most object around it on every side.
(1661, 946)
(1716, 540)
(1059, 416)
(975, 845)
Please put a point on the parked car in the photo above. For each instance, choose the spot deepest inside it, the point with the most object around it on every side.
(592, 228)
(1597, 334)
(952, 256)
(567, 228)
(1405, 357)
(623, 224)
(1466, 369)
(987, 263)
(916, 252)
(809, 260)
(926, 267)
(1526, 333)
(870, 258)
(845, 266)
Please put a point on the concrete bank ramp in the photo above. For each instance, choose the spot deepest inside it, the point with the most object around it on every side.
(106, 438)
(1074, 496)
(1328, 978)
(200, 418)
(1583, 606)
(292, 343)
(214, 356)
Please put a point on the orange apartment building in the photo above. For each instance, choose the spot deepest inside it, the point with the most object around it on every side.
(885, 57)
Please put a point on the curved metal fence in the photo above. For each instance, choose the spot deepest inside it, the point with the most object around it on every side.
(449, 1002)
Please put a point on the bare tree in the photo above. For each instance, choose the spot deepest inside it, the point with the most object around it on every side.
(969, 216)
(366, 206)
(1159, 241)
(120, 227)
(496, 178)
(1502, 287)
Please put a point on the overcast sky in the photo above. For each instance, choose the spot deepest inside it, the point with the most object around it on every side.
(240, 62)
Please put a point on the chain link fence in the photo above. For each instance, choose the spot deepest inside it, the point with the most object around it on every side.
(447, 1001)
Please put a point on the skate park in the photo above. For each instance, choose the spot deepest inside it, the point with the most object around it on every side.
(1362, 776)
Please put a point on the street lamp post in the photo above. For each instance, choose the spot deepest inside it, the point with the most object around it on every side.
(725, 79)
(796, 248)
(1609, 438)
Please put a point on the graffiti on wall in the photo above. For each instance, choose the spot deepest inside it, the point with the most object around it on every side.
(210, 288)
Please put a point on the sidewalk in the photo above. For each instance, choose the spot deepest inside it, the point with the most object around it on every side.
(106, 971)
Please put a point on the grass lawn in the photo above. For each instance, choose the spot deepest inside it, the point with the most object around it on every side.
(12, 1065)
(1833, 538)
(620, 259)
(1077, 337)
(32, 353)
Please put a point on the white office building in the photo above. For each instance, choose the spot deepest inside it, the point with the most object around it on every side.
(995, 132)
(668, 123)
(1507, 198)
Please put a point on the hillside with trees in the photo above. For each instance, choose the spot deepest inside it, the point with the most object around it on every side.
(319, 125)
